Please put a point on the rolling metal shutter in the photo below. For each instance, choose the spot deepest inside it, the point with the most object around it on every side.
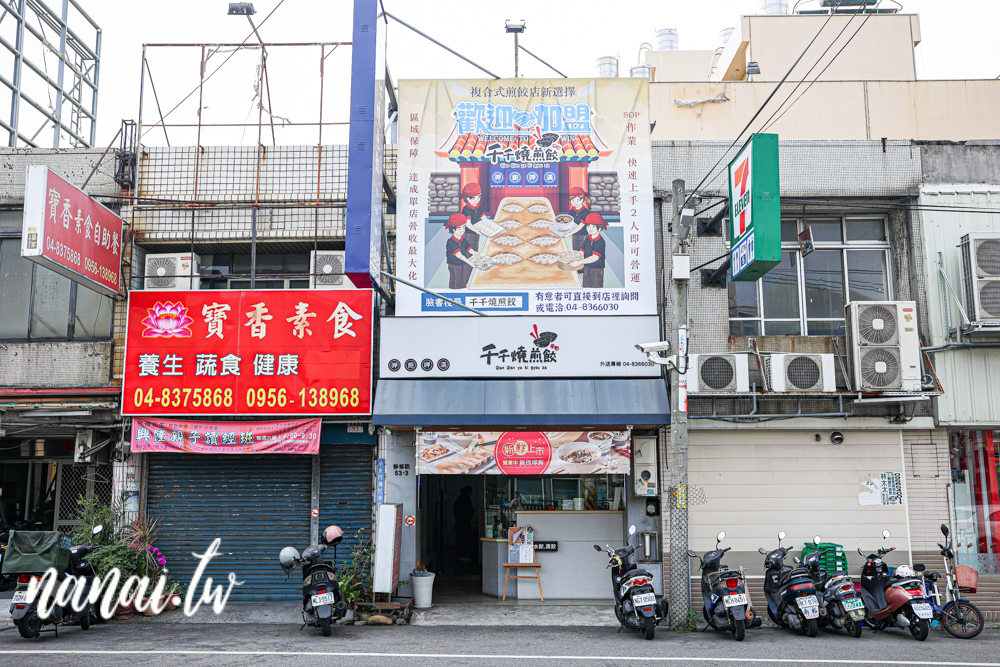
(346, 492)
(256, 504)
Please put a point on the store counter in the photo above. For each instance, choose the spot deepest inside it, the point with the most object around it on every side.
(575, 570)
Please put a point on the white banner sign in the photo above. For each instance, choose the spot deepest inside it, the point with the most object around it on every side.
(509, 347)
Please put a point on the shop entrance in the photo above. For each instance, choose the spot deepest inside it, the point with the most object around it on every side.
(452, 514)
(42, 494)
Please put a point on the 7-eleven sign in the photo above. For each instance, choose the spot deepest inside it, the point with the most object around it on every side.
(755, 209)
(742, 202)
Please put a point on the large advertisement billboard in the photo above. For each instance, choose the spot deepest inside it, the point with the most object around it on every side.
(278, 352)
(526, 197)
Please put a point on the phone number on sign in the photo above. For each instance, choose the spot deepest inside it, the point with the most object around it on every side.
(255, 398)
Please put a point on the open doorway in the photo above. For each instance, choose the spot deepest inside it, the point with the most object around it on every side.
(452, 516)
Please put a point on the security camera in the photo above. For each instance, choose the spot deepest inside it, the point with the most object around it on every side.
(836, 437)
(649, 348)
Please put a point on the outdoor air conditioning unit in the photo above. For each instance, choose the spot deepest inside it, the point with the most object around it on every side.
(326, 269)
(884, 344)
(718, 373)
(981, 270)
(172, 272)
(802, 373)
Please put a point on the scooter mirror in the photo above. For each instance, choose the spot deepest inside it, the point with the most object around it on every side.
(631, 529)
(782, 535)
(919, 567)
(692, 554)
(860, 552)
(886, 534)
(761, 550)
(944, 530)
(598, 549)
(97, 529)
(795, 559)
(817, 540)
(721, 536)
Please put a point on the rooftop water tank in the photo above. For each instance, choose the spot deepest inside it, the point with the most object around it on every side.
(667, 40)
(724, 36)
(772, 6)
(641, 72)
(607, 67)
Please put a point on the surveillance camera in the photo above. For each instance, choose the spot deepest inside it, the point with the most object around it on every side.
(648, 348)
(836, 437)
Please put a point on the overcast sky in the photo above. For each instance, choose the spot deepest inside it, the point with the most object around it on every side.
(959, 39)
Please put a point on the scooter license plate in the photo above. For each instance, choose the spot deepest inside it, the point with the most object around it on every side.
(643, 599)
(734, 600)
(20, 597)
(325, 598)
(807, 601)
(922, 609)
(853, 603)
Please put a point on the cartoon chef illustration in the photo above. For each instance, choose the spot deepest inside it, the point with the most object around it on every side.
(472, 199)
(593, 252)
(458, 251)
(579, 209)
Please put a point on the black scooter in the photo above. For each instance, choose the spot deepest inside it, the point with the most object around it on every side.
(636, 605)
(790, 592)
(322, 603)
(842, 608)
(725, 604)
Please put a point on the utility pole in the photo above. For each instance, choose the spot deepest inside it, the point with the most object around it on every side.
(517, 29)
(680, 580)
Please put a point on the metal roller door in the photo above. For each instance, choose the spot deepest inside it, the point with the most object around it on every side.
(346, 491)
(256, 504)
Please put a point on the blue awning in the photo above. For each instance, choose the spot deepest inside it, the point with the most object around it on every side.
(531, 403)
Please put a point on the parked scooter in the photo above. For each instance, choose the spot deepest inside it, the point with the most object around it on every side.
(959, 617)
(842, 608)
(321, 600)
(724, 594)
(898, 600)
(25, 612)
(636, 606)
(790, 592)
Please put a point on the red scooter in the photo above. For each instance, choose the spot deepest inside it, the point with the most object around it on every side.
(899, 600)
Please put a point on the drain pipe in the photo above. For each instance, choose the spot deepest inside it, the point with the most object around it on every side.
(960, 346)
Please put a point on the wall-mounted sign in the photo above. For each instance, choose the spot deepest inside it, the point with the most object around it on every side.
(508, 347)
(806, 244)
(294, 436)
(280, 352)
(546, 546)
(526, 197)
(755, 209)
(70, 233)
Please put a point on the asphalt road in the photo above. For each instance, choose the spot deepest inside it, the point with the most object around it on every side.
(153, 644)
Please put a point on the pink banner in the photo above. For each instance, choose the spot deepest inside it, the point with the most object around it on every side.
(292, 436)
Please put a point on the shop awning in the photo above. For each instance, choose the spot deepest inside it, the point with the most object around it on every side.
(508, 403)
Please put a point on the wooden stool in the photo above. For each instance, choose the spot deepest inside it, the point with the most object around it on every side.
(536, 566)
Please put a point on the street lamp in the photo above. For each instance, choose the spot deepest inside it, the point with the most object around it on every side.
(241, 9)
(517, 29)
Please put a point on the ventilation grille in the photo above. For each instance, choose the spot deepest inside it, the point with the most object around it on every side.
(988, 258)
(877, 325)
(989, 299)
(717, 373)
(329, 269)
(803, 373)
(161, 272)
(879, 368)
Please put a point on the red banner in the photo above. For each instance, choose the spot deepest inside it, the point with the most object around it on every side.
(70, 233)
(296, 436)
(281, 352)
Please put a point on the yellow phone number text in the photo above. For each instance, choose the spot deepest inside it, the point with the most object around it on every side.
(207, 397)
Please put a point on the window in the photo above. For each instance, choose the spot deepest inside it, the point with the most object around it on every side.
(39, 304)
(272, 271)
(806, 295)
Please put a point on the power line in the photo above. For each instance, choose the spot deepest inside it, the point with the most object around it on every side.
(943, 208)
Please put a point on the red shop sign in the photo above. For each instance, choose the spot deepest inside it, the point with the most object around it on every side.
(523, 453)
(287, 352)
(288, 436)
(70, 233)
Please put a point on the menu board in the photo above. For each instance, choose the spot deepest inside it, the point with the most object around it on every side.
(523, 453)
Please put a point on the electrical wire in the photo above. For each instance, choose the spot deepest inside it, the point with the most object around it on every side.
(941, 208)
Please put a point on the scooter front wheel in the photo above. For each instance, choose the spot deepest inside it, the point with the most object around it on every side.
(962, 619)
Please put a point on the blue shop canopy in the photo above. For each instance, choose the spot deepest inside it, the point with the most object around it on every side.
(508, 403)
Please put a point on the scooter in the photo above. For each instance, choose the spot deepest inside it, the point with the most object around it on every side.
(24, 611)
(959, 617)
(636, 606)
(898, 600)
(321, 600)
(724, 594)
(790, 592)
(842, 608)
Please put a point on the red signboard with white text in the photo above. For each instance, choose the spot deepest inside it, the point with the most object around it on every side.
(280, 352)
(66, 231)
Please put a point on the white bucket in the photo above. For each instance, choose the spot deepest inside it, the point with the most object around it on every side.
(423, 588)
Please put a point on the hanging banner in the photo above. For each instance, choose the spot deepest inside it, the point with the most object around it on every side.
(296, 436)
(68, 232)
(755, 209)
(275, 352)
(524, 453)
(535, 193)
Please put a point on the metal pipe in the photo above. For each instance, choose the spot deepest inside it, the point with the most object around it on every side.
(434, 294)
(61, 76)
(960, 346)
(539, 59)
(18, 61)
(156, 98)
(101, 159)
(246, 46)
(97, 80)
(452, 51)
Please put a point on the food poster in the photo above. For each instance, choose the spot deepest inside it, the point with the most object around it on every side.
(524, 196)
(523, 453)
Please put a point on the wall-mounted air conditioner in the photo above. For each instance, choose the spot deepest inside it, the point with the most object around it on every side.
(172, 272)
(718, 373)
(802, 373)
(327, 270)
(884, 344)
(981, 270)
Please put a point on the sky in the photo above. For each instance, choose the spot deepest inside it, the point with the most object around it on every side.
(958, 43)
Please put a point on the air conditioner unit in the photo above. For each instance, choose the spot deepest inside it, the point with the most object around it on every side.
(172, 272)
(981, 270)
(326, 268)
(884, 344)
(802, 373)
(718, 373)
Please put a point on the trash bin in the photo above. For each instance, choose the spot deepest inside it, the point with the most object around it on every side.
(423, 587)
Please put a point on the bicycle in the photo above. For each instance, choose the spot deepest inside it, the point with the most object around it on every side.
(959, 617)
